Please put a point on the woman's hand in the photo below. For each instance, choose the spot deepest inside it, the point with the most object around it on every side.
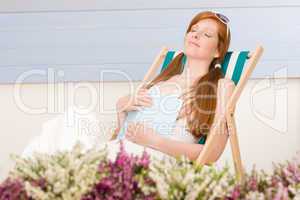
(141, 134)
(133, 101)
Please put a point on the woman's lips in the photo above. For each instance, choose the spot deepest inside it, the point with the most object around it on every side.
(194, 43)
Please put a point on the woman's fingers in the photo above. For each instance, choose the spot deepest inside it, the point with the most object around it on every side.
(143, 101)
(142, 98)
(131, 129)
(140, 127)
(142, 90)
(131, 126)
(135, 127)
(140, 102)
(143, 94)
(137, 108)
(129, 136)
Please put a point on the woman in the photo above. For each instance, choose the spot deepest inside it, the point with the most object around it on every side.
(143, 120)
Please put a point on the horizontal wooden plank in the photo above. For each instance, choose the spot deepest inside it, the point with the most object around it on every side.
(74, 5)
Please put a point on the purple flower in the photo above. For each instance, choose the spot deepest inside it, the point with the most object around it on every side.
(252, 184)
(13, 190)
(294, 171)
(144, 160)
(282, 193)
(121, 181)
(235, 193)
(42, 183)
(274, 181)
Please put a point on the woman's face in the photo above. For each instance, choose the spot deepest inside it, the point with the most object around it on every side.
(202, 40)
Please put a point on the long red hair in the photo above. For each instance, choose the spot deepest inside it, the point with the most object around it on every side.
(201, 111)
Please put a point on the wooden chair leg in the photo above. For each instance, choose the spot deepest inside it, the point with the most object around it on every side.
(234, 143)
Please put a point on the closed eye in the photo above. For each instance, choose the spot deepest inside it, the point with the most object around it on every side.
(207, 35)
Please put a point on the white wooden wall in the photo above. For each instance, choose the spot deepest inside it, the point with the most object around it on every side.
(78, 40)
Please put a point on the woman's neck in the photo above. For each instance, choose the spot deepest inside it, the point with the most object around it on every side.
(193, 70)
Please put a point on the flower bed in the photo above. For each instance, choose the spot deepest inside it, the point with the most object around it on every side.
(91, 176)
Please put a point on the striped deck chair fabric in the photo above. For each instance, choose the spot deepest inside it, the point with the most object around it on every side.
(232, 67)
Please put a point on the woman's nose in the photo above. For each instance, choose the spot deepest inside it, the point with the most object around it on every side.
(195, 35)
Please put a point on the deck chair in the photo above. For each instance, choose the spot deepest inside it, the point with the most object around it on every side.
(237, 66)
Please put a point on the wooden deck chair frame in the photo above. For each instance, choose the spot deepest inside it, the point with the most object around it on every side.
(253, 56)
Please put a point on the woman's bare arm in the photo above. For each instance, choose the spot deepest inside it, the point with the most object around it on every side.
(176, 148)
(192, 151)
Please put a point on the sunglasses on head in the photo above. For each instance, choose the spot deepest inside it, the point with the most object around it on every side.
(223, 19)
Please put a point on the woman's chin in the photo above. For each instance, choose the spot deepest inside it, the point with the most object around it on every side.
(192, 53)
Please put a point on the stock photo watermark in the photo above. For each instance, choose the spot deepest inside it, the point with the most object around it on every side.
(61, 98)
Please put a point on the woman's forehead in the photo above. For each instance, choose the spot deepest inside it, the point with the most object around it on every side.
(208, 24)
